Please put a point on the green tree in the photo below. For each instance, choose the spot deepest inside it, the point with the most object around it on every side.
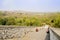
(11, 21)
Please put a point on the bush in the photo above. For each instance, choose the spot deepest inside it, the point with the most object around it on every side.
(11, 21)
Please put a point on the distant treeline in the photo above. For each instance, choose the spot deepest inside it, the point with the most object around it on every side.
(21, 19)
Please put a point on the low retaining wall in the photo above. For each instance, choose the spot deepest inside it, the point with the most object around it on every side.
(54, 35)
(13, 32)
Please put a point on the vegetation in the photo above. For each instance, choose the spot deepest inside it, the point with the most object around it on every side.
(27, 19)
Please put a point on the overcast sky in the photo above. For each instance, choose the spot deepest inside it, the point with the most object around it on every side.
(31, 5)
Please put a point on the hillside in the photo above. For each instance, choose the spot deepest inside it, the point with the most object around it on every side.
(24, 18)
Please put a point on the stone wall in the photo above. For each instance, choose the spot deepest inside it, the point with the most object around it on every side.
(13, 32)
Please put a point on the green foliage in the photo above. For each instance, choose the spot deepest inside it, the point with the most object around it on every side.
(56, 22)
(52, 19)
(3, 21)
(10, 21)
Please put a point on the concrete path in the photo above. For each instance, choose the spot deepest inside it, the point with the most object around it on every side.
(40, 35)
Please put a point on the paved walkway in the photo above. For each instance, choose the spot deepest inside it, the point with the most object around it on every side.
(40, 35)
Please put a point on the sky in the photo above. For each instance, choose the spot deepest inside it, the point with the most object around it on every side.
(31, 5)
